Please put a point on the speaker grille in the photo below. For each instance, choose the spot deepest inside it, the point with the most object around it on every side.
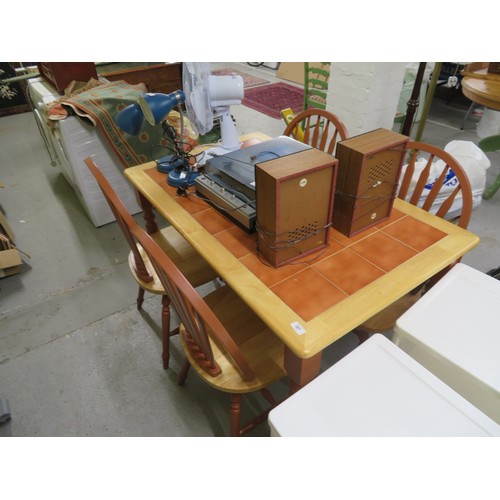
(303, 232)
(381, 171)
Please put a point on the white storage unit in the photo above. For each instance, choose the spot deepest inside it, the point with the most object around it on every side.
(453, 330)
(41, 94)
(378, 390)
(69, 142)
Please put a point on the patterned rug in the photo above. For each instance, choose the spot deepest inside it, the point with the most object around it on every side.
(271, 99)
(249, 80)
(101, 104)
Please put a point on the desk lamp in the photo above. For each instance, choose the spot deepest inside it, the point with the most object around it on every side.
(155, 108)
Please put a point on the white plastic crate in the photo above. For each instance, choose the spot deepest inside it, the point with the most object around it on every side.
(453, 330)
(378, 390)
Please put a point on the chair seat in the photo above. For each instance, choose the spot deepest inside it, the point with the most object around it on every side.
(223, 340)
(378, 390)
(260, 347)
(190, 263)
(454, 332)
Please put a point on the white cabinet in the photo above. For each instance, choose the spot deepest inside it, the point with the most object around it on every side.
(69, 142)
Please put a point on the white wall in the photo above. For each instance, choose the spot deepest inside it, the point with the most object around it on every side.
(365, 95)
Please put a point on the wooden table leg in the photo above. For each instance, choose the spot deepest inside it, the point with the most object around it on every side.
(148, 213)
(301, 371)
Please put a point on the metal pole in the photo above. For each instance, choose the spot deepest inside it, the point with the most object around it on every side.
(19, 78)
(428, 100)
(413, 102)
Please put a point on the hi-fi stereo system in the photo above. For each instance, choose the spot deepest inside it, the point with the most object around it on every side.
(292, 194)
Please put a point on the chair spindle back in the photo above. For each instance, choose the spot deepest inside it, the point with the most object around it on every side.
(123, 217)
(321, 129)
(200, 322)
(449, 166)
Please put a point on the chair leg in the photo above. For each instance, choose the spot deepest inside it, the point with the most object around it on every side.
(165, 329)
(235, 414)
(181, 378)
(140, 298)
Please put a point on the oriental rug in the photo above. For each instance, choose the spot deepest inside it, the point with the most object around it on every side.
(271, 99)
(100, 105)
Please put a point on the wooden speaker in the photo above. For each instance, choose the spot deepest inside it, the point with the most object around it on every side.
(367, 179)
(294, 197)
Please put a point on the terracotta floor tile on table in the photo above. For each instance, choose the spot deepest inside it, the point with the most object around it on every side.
(395, 216)
(334, 246)
(384, 251)
(348, 270)
(213, 221)
(268, 274)
(237, 241)
(192, 203)
(414, 233)
(157, 176)
(308, 283)
(349, 240)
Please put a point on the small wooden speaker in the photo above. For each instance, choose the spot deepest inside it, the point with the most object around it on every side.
(369, 169)
(294, 195)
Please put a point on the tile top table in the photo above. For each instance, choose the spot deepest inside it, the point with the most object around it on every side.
(313, 303)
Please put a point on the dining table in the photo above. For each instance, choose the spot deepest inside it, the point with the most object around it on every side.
(310, 303)
(483, 86)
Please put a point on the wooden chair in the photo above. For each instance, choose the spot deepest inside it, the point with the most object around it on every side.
(192, 265)
(224, 341)
(316, 78)
(424, 198)
(318, 128)
(462, 186)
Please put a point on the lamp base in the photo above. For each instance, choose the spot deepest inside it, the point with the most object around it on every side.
(178, 178)
(168, 163)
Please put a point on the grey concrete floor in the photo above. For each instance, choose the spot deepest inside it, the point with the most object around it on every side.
(76, 357)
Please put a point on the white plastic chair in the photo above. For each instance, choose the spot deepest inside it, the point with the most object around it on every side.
(453, 331)
(378, 390)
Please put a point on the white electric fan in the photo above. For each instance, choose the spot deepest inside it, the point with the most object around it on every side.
(210, 96)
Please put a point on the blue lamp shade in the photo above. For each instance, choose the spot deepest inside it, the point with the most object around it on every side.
(157, 106)
(130, 119)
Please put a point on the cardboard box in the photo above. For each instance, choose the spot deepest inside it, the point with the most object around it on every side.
(10, 257)
(291, 71)
(294, 71)
(10, 262)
